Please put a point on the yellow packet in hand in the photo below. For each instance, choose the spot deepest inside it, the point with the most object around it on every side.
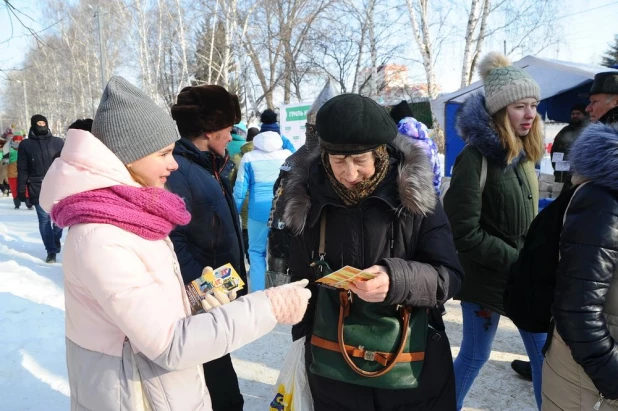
(224, 279)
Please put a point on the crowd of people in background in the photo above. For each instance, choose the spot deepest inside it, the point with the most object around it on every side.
(153, 200)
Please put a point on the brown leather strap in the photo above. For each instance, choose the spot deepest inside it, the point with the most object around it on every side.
(360, 352)
(345, 302)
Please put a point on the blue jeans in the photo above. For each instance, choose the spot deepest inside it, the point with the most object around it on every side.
(258, 237)
(50, 232)
(479, 330)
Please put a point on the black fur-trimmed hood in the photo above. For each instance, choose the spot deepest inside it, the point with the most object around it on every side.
(414, 185)
(475, 126)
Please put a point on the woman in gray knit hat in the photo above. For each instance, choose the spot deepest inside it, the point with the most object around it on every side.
(492, 200)
(134, 341)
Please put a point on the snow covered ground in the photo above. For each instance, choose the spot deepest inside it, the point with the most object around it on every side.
(33, 374)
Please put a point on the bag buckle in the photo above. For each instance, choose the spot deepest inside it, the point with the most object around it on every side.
(369, 356)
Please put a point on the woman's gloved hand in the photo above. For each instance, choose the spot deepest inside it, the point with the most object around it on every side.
(289, 302)
(217, 299)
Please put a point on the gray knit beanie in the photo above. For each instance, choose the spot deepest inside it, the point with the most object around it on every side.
(504, 83)
(130, 124)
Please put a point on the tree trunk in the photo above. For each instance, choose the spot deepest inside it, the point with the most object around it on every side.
(473, 19)
(423, 40)
(479, 40)
(372, 49)
(183, 48)
(257, 66)
(212, 42)
(359, 59)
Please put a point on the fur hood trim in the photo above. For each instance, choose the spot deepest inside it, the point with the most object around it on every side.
(475, 126)
(414, 185)
(594, 155)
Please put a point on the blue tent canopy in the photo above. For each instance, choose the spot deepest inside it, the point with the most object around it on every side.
(562, 84)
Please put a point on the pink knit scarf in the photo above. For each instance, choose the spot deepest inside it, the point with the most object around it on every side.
(149, 212)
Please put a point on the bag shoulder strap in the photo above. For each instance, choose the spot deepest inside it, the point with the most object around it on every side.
(570, 200)
(483, 178)
(322, 245)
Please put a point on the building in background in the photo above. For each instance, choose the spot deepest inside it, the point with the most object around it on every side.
(392, 85)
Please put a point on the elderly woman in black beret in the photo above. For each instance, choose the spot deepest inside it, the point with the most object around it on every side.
(364, 198)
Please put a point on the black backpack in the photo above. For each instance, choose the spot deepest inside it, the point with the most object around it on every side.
(529, 293)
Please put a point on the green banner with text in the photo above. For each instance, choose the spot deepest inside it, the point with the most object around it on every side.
(298, 113)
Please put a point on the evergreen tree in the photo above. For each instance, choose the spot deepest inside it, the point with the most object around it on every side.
(610, 59)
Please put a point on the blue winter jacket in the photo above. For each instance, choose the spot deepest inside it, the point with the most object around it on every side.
(257, 172)
(213, 237)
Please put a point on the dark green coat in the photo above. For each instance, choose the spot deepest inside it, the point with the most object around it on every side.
(489, 227)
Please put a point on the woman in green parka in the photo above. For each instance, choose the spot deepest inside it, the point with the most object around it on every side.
(503, 130)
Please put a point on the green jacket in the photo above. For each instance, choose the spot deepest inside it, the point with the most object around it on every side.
(489, 227)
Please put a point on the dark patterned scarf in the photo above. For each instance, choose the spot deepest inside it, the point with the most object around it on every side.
(362, 190)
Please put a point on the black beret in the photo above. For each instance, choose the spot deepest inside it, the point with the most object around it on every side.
(353, 124)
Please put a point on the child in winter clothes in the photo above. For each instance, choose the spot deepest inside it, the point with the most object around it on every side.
(132, 342)
(418, 132)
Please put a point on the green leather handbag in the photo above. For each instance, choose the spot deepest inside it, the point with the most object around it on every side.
(370, 344)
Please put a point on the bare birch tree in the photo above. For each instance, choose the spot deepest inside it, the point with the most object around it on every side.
(479, 11)
(61, 76)
(275, 42)
(419, 13)
(525, 27)
(354, 53)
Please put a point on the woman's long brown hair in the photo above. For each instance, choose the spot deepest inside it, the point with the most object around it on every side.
(532, 144)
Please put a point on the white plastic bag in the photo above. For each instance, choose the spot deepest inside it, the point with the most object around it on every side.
(292, 388)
